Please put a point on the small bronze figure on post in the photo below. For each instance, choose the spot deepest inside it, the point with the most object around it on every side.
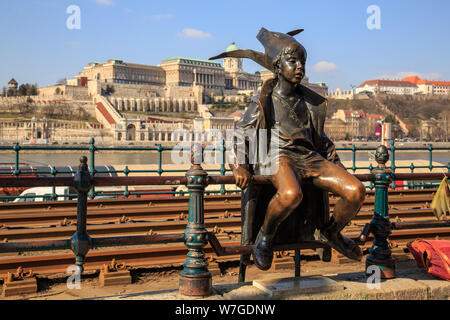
(308, 166)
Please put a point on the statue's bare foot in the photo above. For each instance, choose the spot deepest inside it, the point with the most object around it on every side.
(346, 246)
(263, 251)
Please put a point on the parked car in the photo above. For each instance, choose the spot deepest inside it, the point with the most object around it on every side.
(45, 194)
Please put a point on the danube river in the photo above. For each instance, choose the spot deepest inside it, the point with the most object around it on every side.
(58, 158)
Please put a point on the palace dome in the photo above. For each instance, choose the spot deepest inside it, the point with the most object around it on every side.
(232, 47)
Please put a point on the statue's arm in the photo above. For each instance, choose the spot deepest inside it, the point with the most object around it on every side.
(329, 151)
(241, 166)
(241, 144)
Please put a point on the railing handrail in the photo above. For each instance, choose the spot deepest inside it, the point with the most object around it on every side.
(181, 180)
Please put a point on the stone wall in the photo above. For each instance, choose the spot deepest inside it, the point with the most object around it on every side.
(134, 90)
(60, 131)
(154, 104)
(66, 91)
(11, 104)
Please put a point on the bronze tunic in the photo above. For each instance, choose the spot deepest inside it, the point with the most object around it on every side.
(302, 137)
(296, 135)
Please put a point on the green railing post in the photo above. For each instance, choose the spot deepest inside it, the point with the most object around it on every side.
(412, 183)
(16, 162)
(126, 171)
(81, 241)
(92, 149)
(380, 226)
(195, 279)
(392, 147)
(160, 170)
(353, 158)
(222, 166)
(430, 149)
(54, 197)
(371, 171)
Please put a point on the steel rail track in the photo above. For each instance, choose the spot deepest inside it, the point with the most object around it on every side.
(159, 201)
(149, 211)
(168, 255)
(228, 225)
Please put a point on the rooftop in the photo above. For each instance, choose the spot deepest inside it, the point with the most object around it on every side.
(193, 61)
(232, 47)
(387, 83)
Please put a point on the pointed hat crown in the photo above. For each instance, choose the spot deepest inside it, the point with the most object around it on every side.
(273, 43)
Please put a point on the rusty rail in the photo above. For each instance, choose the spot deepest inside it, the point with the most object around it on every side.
(195, 273)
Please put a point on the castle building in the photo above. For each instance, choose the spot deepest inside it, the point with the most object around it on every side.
(190, 72)
(235, 76)
(12, 84)
(117, 71)
(412, 85)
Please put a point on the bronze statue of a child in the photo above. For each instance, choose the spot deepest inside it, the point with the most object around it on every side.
(305, 152)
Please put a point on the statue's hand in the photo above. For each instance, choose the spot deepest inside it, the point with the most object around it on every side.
(340, 164)
(242, 177)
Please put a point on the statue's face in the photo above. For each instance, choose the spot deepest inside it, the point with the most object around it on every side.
(292, 64)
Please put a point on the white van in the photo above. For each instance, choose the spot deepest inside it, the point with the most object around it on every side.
(45, 194)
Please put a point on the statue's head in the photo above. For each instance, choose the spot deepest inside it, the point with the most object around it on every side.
(280, 51)
(290, 63)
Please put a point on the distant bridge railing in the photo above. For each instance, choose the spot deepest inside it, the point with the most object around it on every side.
(195, 279)
(222, 170)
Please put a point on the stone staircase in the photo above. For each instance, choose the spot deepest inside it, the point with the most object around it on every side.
(106, 113)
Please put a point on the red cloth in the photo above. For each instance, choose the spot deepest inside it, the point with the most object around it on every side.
(432, 255)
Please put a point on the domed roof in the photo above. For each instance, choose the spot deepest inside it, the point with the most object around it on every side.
(231, 47)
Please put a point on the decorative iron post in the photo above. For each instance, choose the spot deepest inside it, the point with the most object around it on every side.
(92, 149)
(195, 279)
(81, 241)
(380, 226)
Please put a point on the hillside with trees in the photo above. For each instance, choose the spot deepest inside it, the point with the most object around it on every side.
(406, 108)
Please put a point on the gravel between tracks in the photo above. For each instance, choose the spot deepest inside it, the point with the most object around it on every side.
(158, 279)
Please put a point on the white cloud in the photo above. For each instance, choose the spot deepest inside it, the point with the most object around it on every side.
(404, 74)
(104, 2)
(164, 16)
(192, 33)
(324, 66)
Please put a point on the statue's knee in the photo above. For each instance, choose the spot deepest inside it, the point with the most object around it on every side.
(357, 193)
(291, 198)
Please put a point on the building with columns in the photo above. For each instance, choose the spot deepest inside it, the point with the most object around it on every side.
(235, 76)
(117, 71)
(190, 72)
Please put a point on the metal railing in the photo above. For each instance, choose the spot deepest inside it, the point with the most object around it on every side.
(222, 170)
(195, 279)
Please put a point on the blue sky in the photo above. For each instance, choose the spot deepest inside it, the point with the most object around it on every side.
(37, 46)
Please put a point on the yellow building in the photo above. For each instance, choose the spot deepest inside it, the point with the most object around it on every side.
(335, 129)
(190, 72)
(117, 71)
(235, 76)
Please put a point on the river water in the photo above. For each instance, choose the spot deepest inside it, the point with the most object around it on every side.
(58, 158)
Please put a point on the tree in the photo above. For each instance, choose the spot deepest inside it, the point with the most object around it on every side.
(11, 92)
(109, 89)
(61, 81)
(391, 119)
(22, 90)
(33, 90)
